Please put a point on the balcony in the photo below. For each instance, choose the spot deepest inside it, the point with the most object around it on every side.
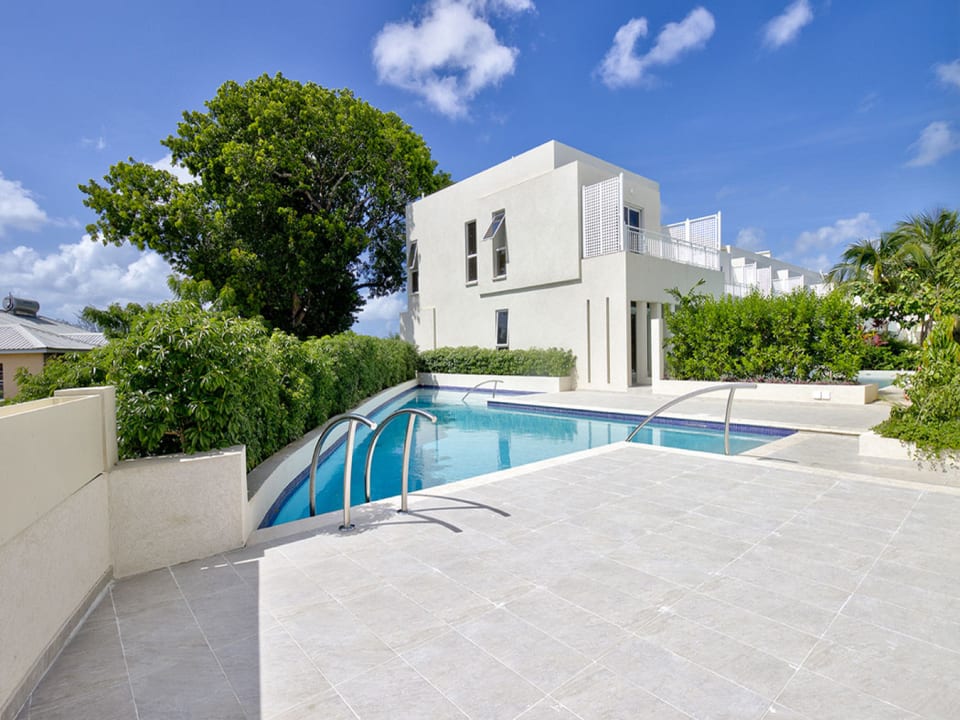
(648, 242)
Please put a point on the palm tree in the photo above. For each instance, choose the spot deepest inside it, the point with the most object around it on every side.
(926, 240)
(873, 260)
(910, 259)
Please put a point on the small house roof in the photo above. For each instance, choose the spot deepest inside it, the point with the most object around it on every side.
(38, 334)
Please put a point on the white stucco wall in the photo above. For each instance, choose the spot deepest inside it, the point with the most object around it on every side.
(36, 478)
(54, 531)
(171, 509)
(48, 573)
(552, 296)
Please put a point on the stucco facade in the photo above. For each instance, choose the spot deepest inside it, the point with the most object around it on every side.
(595, 297)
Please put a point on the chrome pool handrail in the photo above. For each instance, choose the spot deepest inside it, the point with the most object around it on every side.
(353, 419)
(414, 413)
(483, 382)
(732, 387)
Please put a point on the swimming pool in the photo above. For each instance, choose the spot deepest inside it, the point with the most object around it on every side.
(479, 437)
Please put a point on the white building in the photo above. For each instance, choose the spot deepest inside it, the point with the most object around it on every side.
(554, 248)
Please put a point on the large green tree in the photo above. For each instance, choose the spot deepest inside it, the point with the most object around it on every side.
(298, 205)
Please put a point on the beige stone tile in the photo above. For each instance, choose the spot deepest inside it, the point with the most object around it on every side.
(775, 638)
(395, 619)
(270, 673)
(482, 687)
(821, 698)
(744, 665)
(682, 684)
(539, 658)
(395, 691)
(780, 608)
(600, 694)
(582, 630)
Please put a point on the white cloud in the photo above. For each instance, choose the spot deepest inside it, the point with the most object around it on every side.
(831, 237)
(935, 142)
(18, 208)
(785, 27)
(450, 55)
(622, 66)
(949, 73)
(381, 315)
(178, 171)
(99, 143)
(84, 273)
(751, 238)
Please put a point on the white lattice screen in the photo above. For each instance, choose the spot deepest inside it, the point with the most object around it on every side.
(702, 231)
(602, 223)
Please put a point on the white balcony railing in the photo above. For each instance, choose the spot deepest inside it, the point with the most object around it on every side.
(648, 242)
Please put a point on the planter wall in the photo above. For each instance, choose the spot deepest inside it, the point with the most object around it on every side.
(516, 383)
(835, 394)
(873, 445)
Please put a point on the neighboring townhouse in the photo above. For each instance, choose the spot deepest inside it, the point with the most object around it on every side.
(745, 272)
(27, 339)
(555, 248)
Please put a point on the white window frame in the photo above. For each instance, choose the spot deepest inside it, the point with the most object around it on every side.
(471, 256)
(503, 312)
(413, 267)
(498, 233)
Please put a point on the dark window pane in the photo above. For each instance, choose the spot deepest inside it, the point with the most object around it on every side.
(501, 327)
(472, 269)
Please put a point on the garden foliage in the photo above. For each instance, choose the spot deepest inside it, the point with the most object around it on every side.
(932, 419)
(190, 380)
(550, 362)
(798, 337)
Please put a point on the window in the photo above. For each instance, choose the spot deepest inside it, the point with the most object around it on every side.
(502, 336)
(413, 268)
(495, 224)
(633, 232)
(471, 242)
(1, 381)
(498, 233)
(632, 218)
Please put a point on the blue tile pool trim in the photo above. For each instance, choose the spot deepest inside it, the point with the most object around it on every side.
(638, 418)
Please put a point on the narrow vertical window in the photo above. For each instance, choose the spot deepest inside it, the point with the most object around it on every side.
(502, 336)
(498, 233)
(471, 251)
(413, 268)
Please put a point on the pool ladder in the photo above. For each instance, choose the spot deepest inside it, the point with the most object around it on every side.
(495, 382)
(354, 419)
(731, 387)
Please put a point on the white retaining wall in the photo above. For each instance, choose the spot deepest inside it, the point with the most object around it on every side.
(508, 382)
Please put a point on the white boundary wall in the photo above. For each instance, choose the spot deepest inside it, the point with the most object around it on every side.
(507, 382)
(72, 518)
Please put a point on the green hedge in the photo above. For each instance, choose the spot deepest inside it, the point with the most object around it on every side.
(932, 420)
(551, 362)
(190, 380)
(798, 337)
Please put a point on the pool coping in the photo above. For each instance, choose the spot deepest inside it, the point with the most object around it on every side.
(391, 395)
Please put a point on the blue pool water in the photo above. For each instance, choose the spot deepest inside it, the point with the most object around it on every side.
(478, 437)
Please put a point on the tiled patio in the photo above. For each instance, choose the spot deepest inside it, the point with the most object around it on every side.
(629, 582)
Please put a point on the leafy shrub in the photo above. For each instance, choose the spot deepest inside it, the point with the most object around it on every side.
(190, 380)
(885, 352)
(550, 362)
(932, 420)
(798, 337)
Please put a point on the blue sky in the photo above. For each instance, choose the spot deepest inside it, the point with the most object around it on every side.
(809, 124)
